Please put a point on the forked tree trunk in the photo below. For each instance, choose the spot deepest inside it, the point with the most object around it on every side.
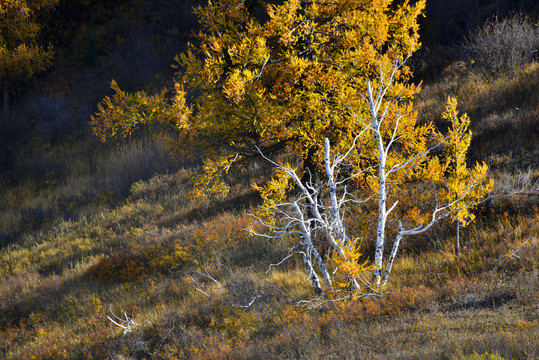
(308, 250)
(310, 270)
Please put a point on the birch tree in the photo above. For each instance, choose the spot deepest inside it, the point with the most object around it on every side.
(313, 79)
(458, 142)
(400, 154)
(316, 215)
(404, 154)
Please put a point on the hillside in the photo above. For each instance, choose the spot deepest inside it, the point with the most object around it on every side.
(110, 251)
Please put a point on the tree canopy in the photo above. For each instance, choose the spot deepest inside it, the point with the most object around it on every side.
(283, 83)
(20, 53)
(21, 56)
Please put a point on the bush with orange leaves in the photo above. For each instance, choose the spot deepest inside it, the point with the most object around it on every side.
(148, 253)
(399, 301)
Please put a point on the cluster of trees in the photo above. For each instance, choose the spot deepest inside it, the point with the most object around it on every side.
(326, 86)
(21, 55)
(30, 28)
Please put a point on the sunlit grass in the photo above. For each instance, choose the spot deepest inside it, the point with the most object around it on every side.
(204, 288)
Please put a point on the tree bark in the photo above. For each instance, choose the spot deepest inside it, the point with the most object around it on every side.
(309, 249)
(312, 274)
(382, 217)
(392, 257)
(457, 237)
(382, 201)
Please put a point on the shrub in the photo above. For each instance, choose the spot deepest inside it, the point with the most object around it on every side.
(503, 45)
(459, 355)
(148, 253)
(399, 301)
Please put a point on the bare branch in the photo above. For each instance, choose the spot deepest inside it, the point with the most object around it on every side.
(283, 260)
(126, 324)
(248, 305)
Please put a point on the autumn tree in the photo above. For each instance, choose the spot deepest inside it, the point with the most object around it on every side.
(316, 213)
(402, 158)
(279, 85)
(20, 54)
(314, 79)
(460, 177)
(405, 157)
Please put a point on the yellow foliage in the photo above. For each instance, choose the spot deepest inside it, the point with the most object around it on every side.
(40, 332)
(415, 216)
(281, 85)
(20, 53)
(121, 114)
(273, 192)
(460, 180)
(350, 265)
(210, 183)
(97, 305)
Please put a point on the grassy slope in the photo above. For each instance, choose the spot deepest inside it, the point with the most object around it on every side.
(139, 256)
(83, 252)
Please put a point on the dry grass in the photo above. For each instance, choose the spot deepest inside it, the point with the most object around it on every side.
(503, 112)
(183, 268)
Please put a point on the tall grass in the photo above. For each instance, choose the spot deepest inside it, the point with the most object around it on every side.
(135, 162)
(53, 193)
(503, 112)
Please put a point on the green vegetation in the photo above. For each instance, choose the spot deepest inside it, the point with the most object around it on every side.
(92, 231)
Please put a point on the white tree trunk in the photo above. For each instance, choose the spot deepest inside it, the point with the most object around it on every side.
(381, 228)
(309, 267)
(308, 248)
(457, 237)
(392, 255)
(382, 187)
(336, 221)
